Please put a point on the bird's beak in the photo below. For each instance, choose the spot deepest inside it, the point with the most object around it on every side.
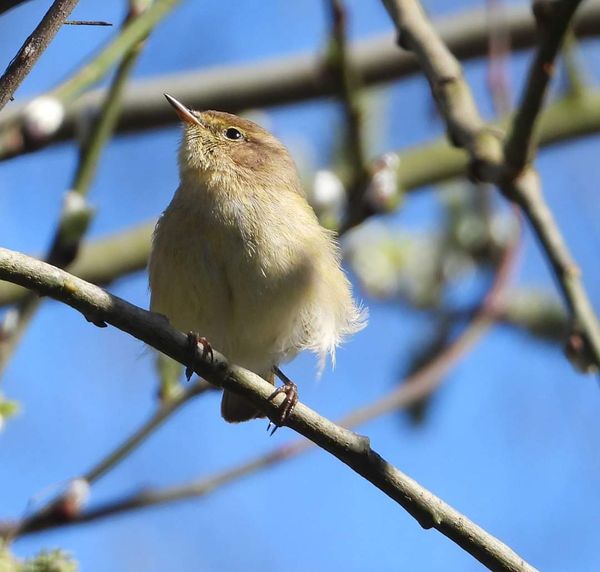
(185, 114)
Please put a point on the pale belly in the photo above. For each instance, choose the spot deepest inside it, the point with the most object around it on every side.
(245, 301)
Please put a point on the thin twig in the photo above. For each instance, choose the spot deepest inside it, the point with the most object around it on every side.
(33, 48)
(101, 308)
(281, 80)
(87, 23)
(134, 32)
(164, 412)
(466, 129)
(76, 215)
(61, 510)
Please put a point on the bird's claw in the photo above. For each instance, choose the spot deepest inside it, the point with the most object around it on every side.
(194, 339)
(290, 390)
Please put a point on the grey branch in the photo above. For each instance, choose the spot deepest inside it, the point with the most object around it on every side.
(101, 308)
(467, 130)
(33, 48)
(282, 80)
(414, 388)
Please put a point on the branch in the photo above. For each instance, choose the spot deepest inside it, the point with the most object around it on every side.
(466, 129)
(553, 19)
(279, 81)
(33, 48)
(414, 388)
(498, 58)
(354, 450)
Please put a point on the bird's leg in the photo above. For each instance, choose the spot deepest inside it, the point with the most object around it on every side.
(290, 389)
(193, 340)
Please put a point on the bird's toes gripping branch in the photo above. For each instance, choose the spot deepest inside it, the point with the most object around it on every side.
(290, 390)
(194, 340)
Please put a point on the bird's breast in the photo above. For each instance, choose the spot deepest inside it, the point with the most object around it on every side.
(232, 272)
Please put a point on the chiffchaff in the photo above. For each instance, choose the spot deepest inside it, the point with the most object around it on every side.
(240, 257)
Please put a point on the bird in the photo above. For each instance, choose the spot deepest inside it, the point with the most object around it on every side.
(240, 258)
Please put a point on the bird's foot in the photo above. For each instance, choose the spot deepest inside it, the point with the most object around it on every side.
(290, 389)
(194, 339)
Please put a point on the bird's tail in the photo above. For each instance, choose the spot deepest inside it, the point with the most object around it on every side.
(235, 408)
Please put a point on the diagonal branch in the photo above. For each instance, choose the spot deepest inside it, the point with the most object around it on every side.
(354, 450)
(33, 48)
(485, 149)
(414, 388)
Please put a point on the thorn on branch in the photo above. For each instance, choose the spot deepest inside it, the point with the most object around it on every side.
(87, 23)
(362, 446)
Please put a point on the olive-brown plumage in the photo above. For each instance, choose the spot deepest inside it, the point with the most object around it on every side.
(239, 256)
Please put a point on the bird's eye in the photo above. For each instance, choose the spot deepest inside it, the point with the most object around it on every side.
(232, 133)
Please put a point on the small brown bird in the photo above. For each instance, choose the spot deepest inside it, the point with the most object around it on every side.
(240, 257)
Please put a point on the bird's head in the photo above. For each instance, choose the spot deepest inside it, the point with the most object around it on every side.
(227, 148)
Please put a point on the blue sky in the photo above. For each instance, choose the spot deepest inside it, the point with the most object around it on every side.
(511, 439)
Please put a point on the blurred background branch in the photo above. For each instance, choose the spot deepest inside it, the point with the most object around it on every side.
(105, 260)
(276, 82)
(17, 130)
(467, 130)
(356, 168)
